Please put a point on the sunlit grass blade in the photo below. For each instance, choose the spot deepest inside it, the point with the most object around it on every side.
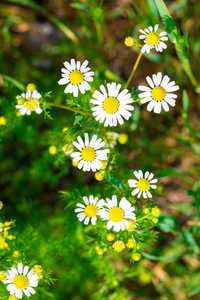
(181, 42)
(15, 82)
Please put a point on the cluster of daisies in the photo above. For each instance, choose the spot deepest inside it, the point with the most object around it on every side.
(116, 214)
(111, 103)
(21, 281)
(119, 215)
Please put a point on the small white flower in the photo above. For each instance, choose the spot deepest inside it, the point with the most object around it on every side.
(111, 106)
(21, 281)
(159, 94)
(67, 149)
(76, 76)
(152, 39)
(117, 215)
(90, 210)
(89, 156)
(143, 184)
(111, 139)
(29, 102)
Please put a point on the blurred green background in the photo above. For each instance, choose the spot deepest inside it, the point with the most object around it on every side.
(36, 38)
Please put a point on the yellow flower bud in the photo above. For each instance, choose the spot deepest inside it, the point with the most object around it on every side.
(3, 121)
(104, 165)
(13, 297)
(136, 256)
(155, 211)
(132, 225)
(123, 138)
(146, 210)
(110, 237)
(52, 150)
(3, 276)
(16, 253)
(31, 87)
(18, 113)
(155, 220)
(75, 164)
(131, 243)
(98, 176)
(65, 129)
(100, 252)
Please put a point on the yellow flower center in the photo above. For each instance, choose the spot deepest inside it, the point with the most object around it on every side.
(20, 101)
(88, 154)
(31, 104)
(116, 214)
(129, 41)
(13, 297)
(90, 210)
(153, 38)
(111, 105)
(76, 77)
(38, 270)
(143, 185)
(118, 246)
(158, 93)
(20, 282)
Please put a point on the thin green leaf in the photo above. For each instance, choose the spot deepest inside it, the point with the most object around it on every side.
(77, 119)
(15, 82)
(115, 182)
(169, 172)
(167, 20)
(185, 100)
(190, 240)
(159, 258)
(80, 6)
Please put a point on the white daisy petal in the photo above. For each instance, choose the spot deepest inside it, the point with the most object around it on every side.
(20, 268)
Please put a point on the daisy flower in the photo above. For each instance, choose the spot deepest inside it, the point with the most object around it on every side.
(152, 39)
(112, 105)
(143, 184)
(26, 103)
(76, 76)
(90, 210)
(117, 215)
(21, 281)
(89, 156)
(159, 93)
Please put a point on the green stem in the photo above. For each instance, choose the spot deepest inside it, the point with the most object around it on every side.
(145, 217)
(137, 100)
(70, 108)
(137, 44)
(134, 69)
(99, 33)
